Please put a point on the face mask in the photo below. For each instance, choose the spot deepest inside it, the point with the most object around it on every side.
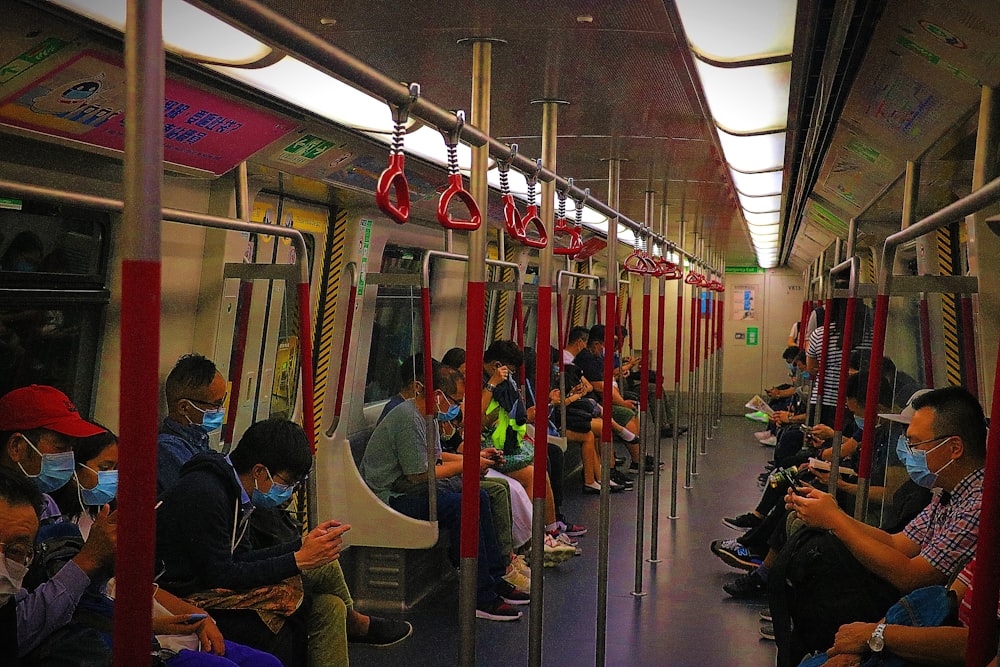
(11, 576)
(806, 375)
(104, 492)
(450, 415)
(56, 470)
(211, 420)
(916, 463)
(791, 369)
(860, 421)
(277, 495)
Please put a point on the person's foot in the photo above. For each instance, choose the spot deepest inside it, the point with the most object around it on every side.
(510, 593)
(762, 435)
(668, 431)
(521, 565)
(594, 488)
(517, 579)
(743, 521)
(767, 631)
(382, 632)
(497, 610)
(765, 615)
(556, 552)
(746, 586)
(736, 555)
(770, 442)
(634, 466)
(620, 479)
(572, 529)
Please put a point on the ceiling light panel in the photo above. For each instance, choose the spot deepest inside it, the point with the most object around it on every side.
(759, 184)
(734, 30)
(747, 99)
(760, 204)
(762, 152)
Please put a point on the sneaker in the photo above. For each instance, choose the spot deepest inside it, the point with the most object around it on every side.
(668, 431)
(621, 480)
(510, 594)
(497, 610)
(762, 435)
(736, 555)
(767, 631)
(595, 488)
(770, 442)
(521, 565)
(556, 552)
(765, 615)
(383, 632)
(517, 579)
(758, 417)
(743, 521)
(746, 586)
(634, 466)
(565, 539)
(573, 529)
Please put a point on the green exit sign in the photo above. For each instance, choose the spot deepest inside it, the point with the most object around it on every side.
(751, 335)
(744, 269)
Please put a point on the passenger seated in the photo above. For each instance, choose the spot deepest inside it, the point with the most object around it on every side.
(395, 467)
(271, 598)
(196, 397)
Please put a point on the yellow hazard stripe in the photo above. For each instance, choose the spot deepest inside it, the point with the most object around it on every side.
(949, 312)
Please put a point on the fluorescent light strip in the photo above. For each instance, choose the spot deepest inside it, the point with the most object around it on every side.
(761, 184)
(747, 99)
(729, 31)
(760, 204)
(761, 152)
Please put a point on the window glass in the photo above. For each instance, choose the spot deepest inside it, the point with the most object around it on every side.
(50, 241)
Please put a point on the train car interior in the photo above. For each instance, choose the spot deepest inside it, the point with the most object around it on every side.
(334, 188)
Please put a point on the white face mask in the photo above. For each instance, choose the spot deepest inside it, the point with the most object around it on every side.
(11, 575)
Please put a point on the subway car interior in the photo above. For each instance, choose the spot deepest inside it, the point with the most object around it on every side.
(311, 193)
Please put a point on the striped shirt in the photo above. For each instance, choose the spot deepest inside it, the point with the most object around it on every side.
(967, 576)
(831, 375)
(946, 530)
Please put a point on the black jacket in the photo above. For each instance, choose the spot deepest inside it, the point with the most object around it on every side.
(199, 534)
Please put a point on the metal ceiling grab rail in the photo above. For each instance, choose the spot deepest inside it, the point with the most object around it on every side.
(530, 218)
(562, 226)
(279, 30)
(392, 179)
(456, 188)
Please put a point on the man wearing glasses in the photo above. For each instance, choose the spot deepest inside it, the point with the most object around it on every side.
(944, 448)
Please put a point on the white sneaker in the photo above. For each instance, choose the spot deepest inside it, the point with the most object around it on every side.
(556, 552)
(770, 442)
(521, 565)
(762, 435)
(516, 579)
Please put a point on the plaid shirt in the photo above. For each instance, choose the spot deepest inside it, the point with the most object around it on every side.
(947, 528)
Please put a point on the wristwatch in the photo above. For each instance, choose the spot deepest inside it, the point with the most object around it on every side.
(877, 642)
(490, 387)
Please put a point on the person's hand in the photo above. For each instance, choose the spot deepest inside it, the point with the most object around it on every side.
(211, 638)
(852, 638)
(822, 431)
(98, 553)
(816, 508)
(321, 546)
(499, 376)
(822, 475)
(772, 393)
(629, 403)
(485, 464)
(554, 397)
(780, 417)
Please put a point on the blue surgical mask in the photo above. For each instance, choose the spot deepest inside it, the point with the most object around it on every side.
(860, 421)
(276, 496)
(916, 463)
(806, 375)
(104, 492)
(56, 470)
(451, 415)
(791, 369)
(211, 420)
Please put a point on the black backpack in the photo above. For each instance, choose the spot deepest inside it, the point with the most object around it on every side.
(815, 586)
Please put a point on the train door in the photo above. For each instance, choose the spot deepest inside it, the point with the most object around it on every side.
(258, 346)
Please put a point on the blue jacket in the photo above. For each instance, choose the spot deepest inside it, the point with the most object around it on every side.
(176, 444)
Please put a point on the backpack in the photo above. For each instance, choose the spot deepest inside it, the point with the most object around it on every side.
(815, 586)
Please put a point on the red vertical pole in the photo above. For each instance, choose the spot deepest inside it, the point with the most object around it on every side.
(982, 643)
(802, 324)
(874, 377)
(236, 357)
(971, 375)
(140, 331)
(306, 361)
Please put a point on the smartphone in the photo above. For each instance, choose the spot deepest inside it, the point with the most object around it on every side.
(805, 428)
(194, 618)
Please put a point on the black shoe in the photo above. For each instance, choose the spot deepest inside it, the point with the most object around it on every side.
(634, 466)
(622, 480)
(383, 632)
(511, 595)
(668, 431)
(736, 555)
(743, 521)
(746, 586)
(595, 490)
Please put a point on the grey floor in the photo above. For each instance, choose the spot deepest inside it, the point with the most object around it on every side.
(684, 620)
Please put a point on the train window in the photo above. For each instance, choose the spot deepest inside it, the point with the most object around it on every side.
(396, 328)
(41, 244)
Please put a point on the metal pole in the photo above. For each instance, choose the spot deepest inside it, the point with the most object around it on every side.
(678, 360)
(543, 338)
(696, 320)
(474, 341)
(722, 338)
(140, 328)
(709, 366)
(607, 451)
(654, 529)
(692, 436)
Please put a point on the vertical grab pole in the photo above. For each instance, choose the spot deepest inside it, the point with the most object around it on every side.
(692, 414)
(696, 353)
(709, 369)
(475, 333)
(720, 340)
(640, 510)
(678, 360)
(607, 450)
(871, 406)
(654, 529)
(429, 408)
(140, 325)
(543, 366)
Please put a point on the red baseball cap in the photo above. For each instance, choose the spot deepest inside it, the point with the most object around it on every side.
(40, 406)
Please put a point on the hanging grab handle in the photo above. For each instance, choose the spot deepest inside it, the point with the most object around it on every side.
(456, 188)
(541, 237)
(693, 278)
(511, 216)
(562, 226)
(392, 179)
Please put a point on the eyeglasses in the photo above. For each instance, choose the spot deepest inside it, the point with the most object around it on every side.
(913, 445)
(19, 552)
(213, 404)
(282, 480)
(451, 400)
